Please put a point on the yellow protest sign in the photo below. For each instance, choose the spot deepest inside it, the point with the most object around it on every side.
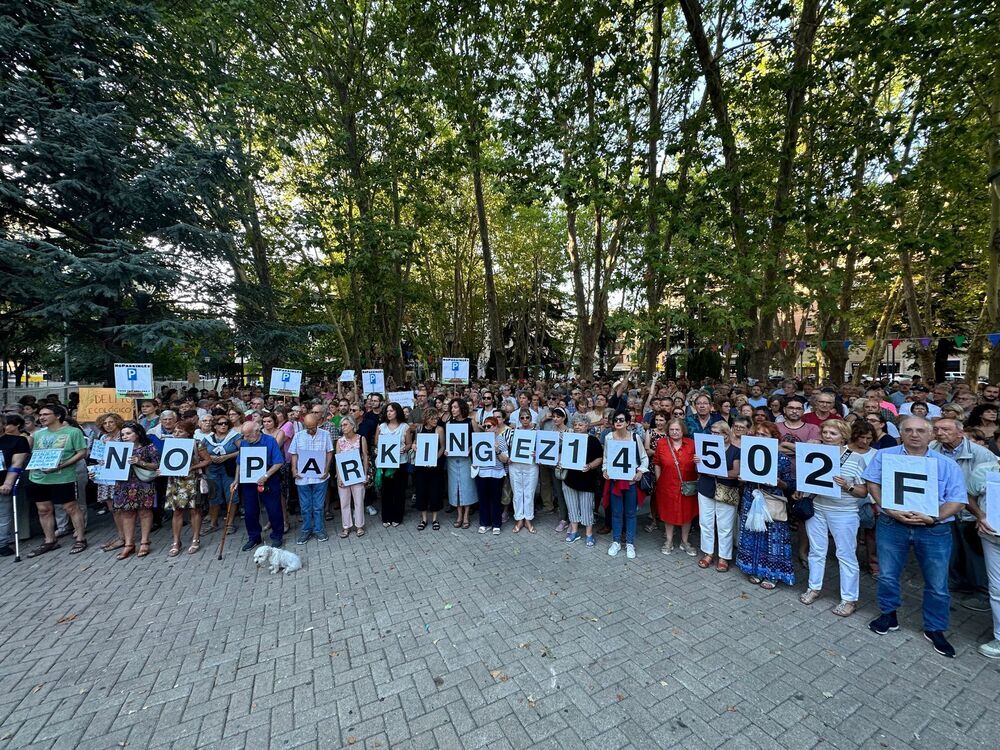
(97, 401)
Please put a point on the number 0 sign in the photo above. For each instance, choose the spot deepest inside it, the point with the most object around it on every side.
(759, 460)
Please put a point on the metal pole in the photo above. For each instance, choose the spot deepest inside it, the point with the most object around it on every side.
(65, 356)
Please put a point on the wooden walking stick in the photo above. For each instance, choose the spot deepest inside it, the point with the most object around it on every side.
(230, 512)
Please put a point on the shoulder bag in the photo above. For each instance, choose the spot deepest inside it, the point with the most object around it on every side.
(689, 487)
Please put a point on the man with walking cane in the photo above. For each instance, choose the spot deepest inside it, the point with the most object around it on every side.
(14, 450)
(266, 490)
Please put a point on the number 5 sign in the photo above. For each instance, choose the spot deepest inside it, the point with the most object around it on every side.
(711, 451)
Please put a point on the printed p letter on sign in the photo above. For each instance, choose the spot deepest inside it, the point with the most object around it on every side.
(252, 464)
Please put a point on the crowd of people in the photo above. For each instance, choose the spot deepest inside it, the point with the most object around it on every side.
(952, 424)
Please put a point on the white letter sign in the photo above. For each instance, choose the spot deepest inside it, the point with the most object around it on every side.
(252, 464)
(711, 452)
(456, 439)
(427, 449)
(622, 459)
(547, 448)
(387, 454)
(349, 468)
(910, 483)
(115, 466)
(815, 468)
(759, 460)
(574, 450)
(522, 447)
(403, 398)
(177, 457)
(483, 449)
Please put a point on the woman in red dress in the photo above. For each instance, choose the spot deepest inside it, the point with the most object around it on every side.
(676, 488)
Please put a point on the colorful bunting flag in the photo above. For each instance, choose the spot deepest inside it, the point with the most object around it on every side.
(740, 347)
(994, 338)
(802, 346)
(896, 342)
(925, 341)
(959, 340)
(768, 343)
(822, 344)
(847, 344)
(870, 343)
(725, 347)
(783, 344)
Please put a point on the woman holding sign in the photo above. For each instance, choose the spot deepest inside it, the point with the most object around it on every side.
(624, 463)
(461, 487)
(137, 494)
(489, 483)
(676, 485)
(428, 481)
(110, 427)
(524, 479)
(718, 498)
(183, 493)
(354, 494)
(837, 515)
(223, 446)
(580, 486)
(393, 480)
(766, 556)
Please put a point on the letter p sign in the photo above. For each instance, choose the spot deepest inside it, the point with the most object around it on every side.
(131, 374)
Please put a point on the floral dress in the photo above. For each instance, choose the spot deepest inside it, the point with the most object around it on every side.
(133, 494)
(767, 554)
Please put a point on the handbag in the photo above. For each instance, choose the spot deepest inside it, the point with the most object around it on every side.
(144, 475)
(803, 508)
(726, 494)
(689, 487)
(560, 473)
(777, 506)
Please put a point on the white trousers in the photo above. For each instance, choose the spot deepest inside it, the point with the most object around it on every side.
(992, 553)
(715, 517)
(523, 481)
(843, 526)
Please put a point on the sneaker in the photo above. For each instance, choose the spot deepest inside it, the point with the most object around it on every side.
(941, 644)
(991, 650)
(6, 551)
(303, 538)
(590, 541)
(322, 536)
(630, 551)
(570, 538)
(250, 545)
(370, 510)
(496, 531)
(482, 529)
(562, 527)
(614, 548)
(687, 549)
(977, 603)
(667, 548)
(884, 623)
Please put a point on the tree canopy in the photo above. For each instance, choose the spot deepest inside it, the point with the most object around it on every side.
(350, 183)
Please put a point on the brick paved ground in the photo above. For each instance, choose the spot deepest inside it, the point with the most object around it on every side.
(450, 639)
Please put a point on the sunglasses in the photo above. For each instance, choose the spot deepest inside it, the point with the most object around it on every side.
(222, 424)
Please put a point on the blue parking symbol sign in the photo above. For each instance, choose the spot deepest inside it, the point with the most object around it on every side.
(131, 373)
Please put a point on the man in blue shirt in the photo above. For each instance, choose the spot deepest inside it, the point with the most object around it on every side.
(267, 490)
(930, 537)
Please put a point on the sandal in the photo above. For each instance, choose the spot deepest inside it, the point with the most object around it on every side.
(113, 544)
(78, 547)
(344, 533)
(422, 525)
(517, 526)
(768, 585)
(41, 549)
(385, 524)
(361, 532)
(465, 524)
(175, 549)
(143, 549)
(212, 528)
(195, 546)
(532, 529)
(650, 527)
(705, 562)
(436, 526)
(722, 566)
(395, 524)
(754, 580)
(127, 551)
(457, 524)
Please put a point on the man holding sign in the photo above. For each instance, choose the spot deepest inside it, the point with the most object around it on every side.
(57, 484)
(903, 493)
(311, 452)
(265, 489)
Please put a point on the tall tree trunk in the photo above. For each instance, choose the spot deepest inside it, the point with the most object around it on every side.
(993, 279)
(492, 311)
(774, 260)
(652, 207)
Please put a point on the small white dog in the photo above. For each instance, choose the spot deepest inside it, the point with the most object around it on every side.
(277, 559)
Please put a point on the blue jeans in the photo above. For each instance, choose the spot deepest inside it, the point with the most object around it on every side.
(626, 502)
(932, 546)
(271, 498)
(312, 499)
